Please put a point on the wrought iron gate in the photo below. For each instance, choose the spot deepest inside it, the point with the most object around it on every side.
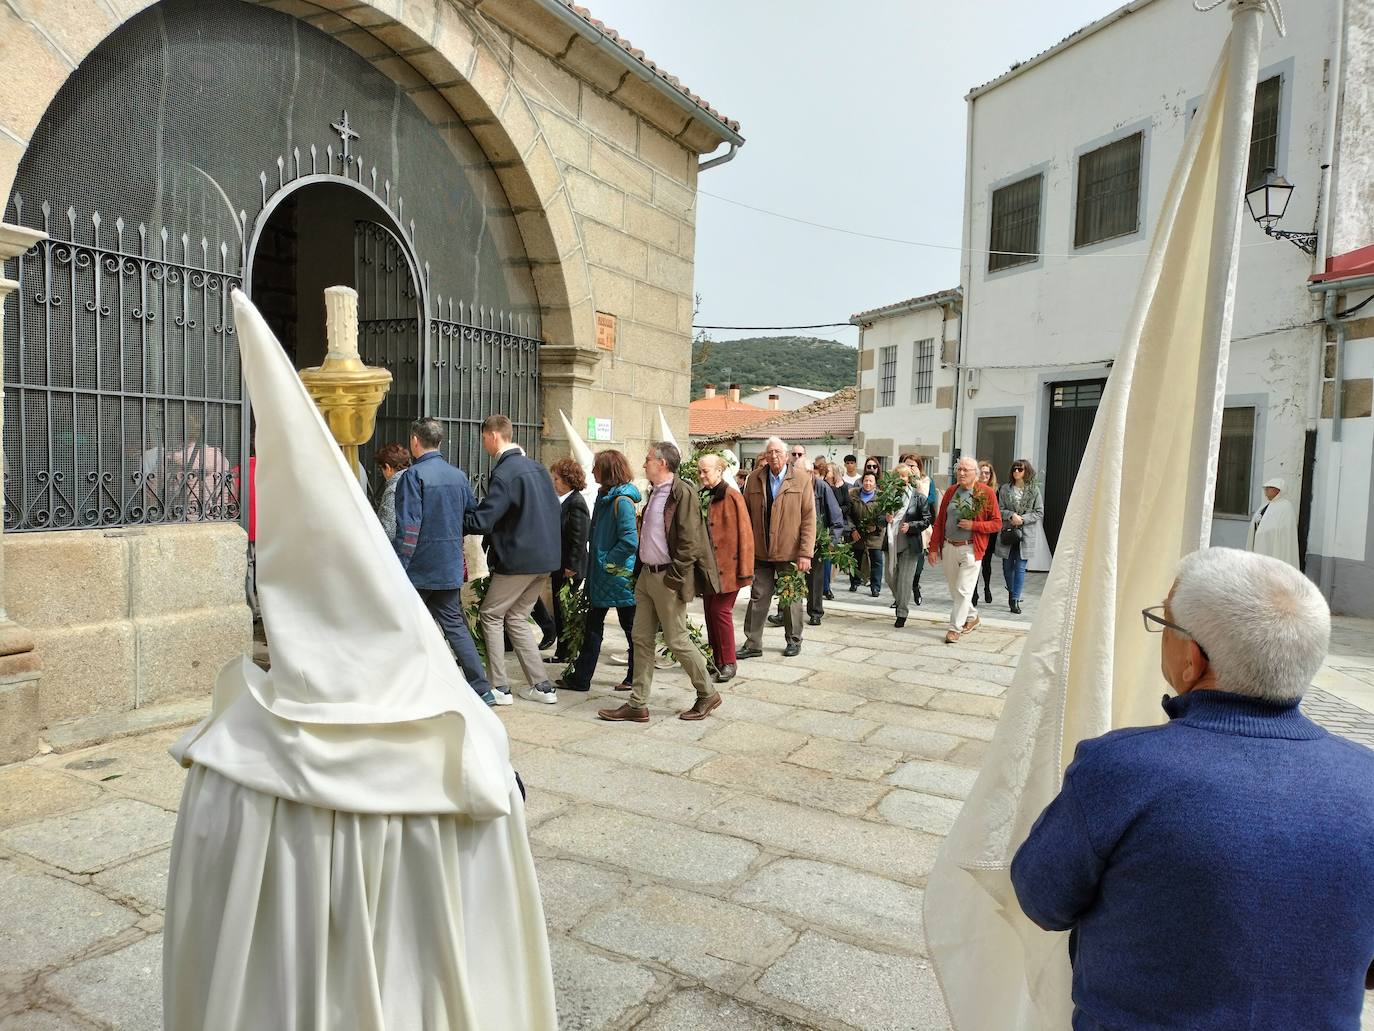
(1073, 409)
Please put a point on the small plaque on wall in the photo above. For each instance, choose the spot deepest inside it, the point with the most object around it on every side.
(605, 331)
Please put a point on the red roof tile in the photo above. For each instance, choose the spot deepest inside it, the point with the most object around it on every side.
(1354, 263)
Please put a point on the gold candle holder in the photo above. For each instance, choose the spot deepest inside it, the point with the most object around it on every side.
(347, 392)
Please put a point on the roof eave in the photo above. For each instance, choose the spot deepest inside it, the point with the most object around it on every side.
(1063, 44)
(907, 307)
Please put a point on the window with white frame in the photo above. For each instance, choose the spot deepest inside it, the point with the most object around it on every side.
(1235, 462)
(887, 391)
(1109, 191)
(1014, 233)
(922, 371)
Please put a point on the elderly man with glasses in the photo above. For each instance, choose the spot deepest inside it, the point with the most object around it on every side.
(1217, 871)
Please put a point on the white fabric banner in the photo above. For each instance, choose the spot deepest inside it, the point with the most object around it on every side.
(1088, 665)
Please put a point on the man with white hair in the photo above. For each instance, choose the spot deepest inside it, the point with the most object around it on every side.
(959, 537)
(1215, 872)
(1274, 528)
(782, 509)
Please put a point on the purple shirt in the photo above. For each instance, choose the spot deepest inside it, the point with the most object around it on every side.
(653, 537)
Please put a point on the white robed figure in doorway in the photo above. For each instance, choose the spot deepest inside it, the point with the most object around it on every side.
(1274, 526)
(351, 849)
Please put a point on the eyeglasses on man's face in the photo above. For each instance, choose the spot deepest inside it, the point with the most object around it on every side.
(1155, 623)
(798, 454)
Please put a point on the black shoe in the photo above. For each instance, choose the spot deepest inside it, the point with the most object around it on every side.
(829, 595)
(853, 588)
(793, 648)
(1015, 605)
(727, 672)
(814, 621)
(891, 604)
(899, 622)
(918, 596)
(748, 653)
(555, 659)
(875, 593)
(548, 641)
(568, 685)
(775, 620)
(987, 595)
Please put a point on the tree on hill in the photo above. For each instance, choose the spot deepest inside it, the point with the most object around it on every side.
(758, 362)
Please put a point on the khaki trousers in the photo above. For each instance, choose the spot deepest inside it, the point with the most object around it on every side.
(657, 605)
(761, 602)
(506, 610)
(961, 573)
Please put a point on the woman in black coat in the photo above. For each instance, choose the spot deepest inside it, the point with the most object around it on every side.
(574, 520)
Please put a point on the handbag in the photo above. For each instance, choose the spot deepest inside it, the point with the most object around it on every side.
(1011, 536)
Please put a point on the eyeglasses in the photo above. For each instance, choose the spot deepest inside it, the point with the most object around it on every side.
(798, 454)
(1155, 623)
(1018, 468)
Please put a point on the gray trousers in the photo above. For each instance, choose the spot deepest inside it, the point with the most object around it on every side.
(761, 601)
(901, 575)
(658, 606)
(506, 610)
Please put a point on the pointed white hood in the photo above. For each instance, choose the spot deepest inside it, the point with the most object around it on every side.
(364, 708)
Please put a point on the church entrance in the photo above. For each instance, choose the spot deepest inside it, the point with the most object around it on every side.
(330, 234)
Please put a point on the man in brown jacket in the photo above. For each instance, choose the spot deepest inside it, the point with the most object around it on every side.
(675, 562)
(782, 507)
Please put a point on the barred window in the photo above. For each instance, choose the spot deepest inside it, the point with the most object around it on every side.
(888, 392)
(1264, 133)
(1235, 461)
(922, 371)
(1014, 237)
(1109, 191)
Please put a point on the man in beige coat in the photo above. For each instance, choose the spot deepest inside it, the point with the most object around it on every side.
(782, 507)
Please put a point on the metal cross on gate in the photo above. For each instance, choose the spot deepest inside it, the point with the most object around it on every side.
(346, 133)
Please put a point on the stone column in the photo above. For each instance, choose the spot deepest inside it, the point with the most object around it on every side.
(19, 664)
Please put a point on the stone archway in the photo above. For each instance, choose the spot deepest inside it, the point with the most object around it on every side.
(448, 69)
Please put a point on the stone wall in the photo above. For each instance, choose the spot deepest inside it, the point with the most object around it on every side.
(128, 618)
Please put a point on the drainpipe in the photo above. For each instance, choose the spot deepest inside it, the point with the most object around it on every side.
(729, 155)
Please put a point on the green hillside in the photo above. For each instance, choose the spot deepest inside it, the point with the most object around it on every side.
(764, 361)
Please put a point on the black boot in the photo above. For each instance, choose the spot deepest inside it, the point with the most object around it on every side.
(987, 594)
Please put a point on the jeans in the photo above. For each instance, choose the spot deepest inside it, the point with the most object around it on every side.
(825, 585)
(593, 633)
(875, 568)
(446, 606)
(1014, 572)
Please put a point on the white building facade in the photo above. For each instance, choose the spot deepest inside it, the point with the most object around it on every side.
(906, 380)
(785, 398)
(1063, 187)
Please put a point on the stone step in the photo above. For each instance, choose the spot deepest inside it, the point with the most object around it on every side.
(93, 730)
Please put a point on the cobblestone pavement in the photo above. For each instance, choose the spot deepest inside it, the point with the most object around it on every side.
(761, 870)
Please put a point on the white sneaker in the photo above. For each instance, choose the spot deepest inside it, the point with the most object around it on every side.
(503, 696)
(533, 694)
(620, 659)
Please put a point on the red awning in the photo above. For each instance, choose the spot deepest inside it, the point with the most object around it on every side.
(1348, 265)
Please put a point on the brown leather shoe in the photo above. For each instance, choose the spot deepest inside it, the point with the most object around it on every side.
(951, 637)
(626, 686)
(701, 708)
(972, 623)
(627, 713)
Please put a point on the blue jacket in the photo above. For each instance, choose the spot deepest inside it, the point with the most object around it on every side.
(614, 541)
(520, 517)
(1217, 872)
(431, 500)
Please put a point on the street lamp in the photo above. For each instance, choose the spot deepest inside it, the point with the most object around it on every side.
(1267, 201)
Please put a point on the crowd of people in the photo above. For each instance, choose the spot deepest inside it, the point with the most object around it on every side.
(646, 551)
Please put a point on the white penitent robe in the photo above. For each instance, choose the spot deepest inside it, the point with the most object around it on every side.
(1274, 531)
(350, 849)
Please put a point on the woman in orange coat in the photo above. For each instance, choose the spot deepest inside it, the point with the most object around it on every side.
(732, 537)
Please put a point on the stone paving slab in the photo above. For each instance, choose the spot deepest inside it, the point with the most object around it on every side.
(122, 990)
(935, 778)
(846, 759)
(638, 750)
(861, 905)
(82, 842)
(144, 881)
(876, 991)
(699, 1009)
(786, 782)
(593, 990)
(47, 920)
(29, 793)
(933, 814)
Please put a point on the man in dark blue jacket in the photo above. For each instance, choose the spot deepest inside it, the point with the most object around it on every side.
(431, 499)
(520, 519)
(1215, 871)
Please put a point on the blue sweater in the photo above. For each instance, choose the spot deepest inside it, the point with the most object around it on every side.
(1217, 872)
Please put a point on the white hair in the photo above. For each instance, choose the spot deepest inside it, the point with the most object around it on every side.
(775, 440)
(969, 459)
(1264, 626)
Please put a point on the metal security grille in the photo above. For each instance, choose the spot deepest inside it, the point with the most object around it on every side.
(1073, 409)
(887, 394)
(167, 172)
(1109, 191)
(122, 383)
(483, 361)
(923, 371)
(1014, 237)
(1264, 133)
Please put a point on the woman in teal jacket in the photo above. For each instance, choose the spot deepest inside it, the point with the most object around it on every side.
(612, 545)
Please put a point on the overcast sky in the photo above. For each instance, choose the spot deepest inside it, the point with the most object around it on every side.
(854, 117)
